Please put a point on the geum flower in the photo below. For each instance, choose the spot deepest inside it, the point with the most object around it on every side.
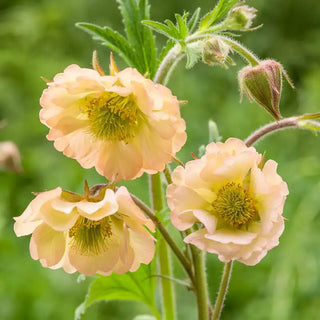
(234, 201)
(122, 124)
(92, 234)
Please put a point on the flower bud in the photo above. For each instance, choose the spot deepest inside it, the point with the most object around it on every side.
(240, 18)
(215, 52)
(262, 84)
(10, 157)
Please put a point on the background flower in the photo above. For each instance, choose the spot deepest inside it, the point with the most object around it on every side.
(236, 199)
(123, 125)
(101, 234)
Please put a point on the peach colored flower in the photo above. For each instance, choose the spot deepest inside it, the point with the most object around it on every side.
(235, 199)
(101, 234)
(123, 125)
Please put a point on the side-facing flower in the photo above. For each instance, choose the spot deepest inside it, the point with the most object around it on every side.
(122, 124)
(103, 233)
(235, 199)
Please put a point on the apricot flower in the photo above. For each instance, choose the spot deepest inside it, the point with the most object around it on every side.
(235, 199)
(123, 124)
(102, 234)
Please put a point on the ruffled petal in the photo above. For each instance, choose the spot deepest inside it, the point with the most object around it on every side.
(113, 161)
(232, 236)
(57, 220)
(47, 245)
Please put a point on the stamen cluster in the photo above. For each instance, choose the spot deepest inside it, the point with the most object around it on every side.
(236, 199)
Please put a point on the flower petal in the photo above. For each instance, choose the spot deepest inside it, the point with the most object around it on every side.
(47, 245)
(233, 236)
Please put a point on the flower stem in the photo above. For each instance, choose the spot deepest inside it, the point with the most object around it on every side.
(201, 283)
(243, 51)
(167, 174)
(168, 296)
(185, 263)
(167, 65)
(271, 128)
(222, 290)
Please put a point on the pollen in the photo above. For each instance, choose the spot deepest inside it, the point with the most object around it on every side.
(90, 237)
(112, 117)
(234, 205)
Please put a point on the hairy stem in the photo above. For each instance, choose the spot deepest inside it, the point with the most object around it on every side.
(224, 284)
(240, 49)
(271, 128)
(201, 283)
(167, 174)
(185, 263)
(168, 64)
(168, 296)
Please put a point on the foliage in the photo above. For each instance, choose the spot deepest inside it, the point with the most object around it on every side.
(31, 33)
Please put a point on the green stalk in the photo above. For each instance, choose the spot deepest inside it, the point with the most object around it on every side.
(168, 64)
(168, 297)
(201, 283)
(224, 284)
(243, 51)
(292, 122)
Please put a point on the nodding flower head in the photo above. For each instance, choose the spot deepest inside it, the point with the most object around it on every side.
(101, 233)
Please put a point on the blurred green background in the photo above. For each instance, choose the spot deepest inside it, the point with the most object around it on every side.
(38, 38)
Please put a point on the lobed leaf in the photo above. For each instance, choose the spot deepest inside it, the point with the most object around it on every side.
(112, 39)
(136, 286)
(139, 37)
(169, 32)
(182, 26)
(192, 23)
(219, 11)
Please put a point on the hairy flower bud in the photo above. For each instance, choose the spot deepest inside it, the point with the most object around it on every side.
(240, 18)
(215, 52)
(262, 84)
(10, 157)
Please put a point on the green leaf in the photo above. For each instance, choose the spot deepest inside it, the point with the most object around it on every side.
(182, 26)
(314, 126)
(136, 286)
(218, 12)
(164, 216)
(310, 116)
(111, 39)
(139, 37)
(192, 23)
(194, 53)
(168, 31)
(178, 32)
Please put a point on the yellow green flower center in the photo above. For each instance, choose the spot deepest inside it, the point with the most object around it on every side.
(234, 205)
(111, 116)
(90, 237)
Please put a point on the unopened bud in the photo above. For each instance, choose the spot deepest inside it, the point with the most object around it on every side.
(263, 84)
(215, 52)
(240, 18)
(10, 157)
